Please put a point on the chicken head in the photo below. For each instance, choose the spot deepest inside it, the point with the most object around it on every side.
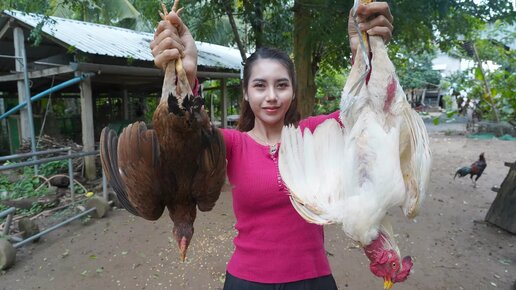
(385, 261)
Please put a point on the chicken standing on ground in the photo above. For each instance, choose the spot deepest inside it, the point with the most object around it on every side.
(355, 174)
(179, 164)
(477, 168)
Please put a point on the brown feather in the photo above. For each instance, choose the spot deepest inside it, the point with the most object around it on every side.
(180, 164)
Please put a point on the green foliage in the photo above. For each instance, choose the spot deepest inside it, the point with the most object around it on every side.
(208, 22)
(212, 97)
(268, 23)
(419, 26)
(448, 101)
(152, 104)
(28, 183)
(36, 33)
(53, 167)
(35, 6)
(85, 219)
(415, 71)
(130, 60)
(490, 47)
(329, 87)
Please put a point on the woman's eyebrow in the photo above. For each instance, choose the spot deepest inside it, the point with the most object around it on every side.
(277, 81)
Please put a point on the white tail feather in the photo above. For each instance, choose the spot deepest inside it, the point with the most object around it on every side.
(416, 161)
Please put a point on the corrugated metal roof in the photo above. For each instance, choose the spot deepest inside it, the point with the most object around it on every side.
(113, 41)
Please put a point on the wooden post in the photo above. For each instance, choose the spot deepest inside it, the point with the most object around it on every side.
(3, 123)
(88, 133)
(126, 104)
(19, 47)
(503, 209)
(224, 104)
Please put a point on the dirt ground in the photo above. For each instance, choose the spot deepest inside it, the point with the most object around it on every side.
(452, 247)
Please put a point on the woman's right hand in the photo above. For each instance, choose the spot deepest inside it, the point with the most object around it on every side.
(375, 19)
(172, 40)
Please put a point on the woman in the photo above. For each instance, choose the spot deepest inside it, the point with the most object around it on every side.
(275, 248)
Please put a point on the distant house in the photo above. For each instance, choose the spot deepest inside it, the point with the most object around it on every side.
(448, 65)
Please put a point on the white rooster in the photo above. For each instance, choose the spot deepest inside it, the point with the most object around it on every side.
(353, 175)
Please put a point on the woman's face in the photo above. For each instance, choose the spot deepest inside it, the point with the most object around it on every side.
(269, 92)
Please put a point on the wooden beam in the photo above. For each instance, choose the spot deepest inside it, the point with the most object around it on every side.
(88, 133)
(5, 28)
(109, 69)
(3, 122)
(101, 69)
(142, 71)
(125, 102)
(224, 104)
(19, 47)
(217, 75)
(64, 69)
(218, 87)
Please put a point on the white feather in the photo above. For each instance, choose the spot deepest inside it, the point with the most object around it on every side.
(356, 174)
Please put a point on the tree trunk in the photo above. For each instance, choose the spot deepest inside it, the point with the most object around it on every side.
(306, 89)
(257, 22)
(229, 12)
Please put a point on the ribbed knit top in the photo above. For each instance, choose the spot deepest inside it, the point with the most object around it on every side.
(274, 243)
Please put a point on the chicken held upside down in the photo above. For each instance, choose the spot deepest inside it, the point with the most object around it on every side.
(353, 175)
(180, 164)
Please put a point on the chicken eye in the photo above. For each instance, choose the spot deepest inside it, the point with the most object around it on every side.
(394, 264)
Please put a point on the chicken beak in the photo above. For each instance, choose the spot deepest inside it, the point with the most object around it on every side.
(183, 246)
(183, 255)
(387, 283)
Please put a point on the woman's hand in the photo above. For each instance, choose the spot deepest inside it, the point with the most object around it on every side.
(172, 40)
(375, 19)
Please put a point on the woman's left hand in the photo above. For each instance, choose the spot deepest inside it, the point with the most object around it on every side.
(374, 18)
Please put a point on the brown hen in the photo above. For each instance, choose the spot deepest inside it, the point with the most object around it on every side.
(179, 164)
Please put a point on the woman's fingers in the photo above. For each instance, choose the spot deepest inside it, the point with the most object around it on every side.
(384, 32)
(379, 25)
(166, 36)
(373, 9)
(167, 43)
(174, 19)
(375, 19)
(166, 56)
(173, 40)
(164, 30)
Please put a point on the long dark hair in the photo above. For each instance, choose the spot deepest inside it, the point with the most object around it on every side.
(246, 120)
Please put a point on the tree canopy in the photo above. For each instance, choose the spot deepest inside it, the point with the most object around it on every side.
(314, 32)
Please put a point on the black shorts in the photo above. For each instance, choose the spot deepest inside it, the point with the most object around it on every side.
(319, 283)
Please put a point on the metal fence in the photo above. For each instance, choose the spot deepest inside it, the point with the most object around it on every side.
(9, 213)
